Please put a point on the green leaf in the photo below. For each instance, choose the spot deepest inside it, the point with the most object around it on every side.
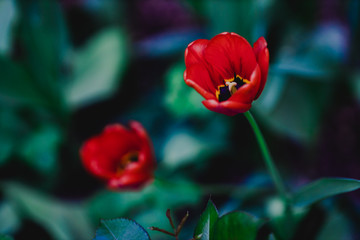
(120, 228)
(293, 108)
(323, 188)
(355, 85)
(5, 237)
(160, 194)
(13, 130)
(42, 36)
(180, 99)
(236, 225)
(6, 147)
(110, 204)
(336, 226)
(206, 222)
(42, 32)
(8, 17)
(272, 237)
(10, 221)
(229, 22)
(185, 146)
(97, 68)
(16, 85)
(40, 150)
(63, 220)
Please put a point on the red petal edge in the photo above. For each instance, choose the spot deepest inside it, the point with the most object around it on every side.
(262, 57)
(229, 108)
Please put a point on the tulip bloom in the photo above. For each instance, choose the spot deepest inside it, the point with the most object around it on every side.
(227, 71)
(123, 157)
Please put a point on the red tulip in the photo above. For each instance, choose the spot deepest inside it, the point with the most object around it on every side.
(227, 71)
(123, 157)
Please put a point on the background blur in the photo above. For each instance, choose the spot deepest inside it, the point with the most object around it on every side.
(68, 68)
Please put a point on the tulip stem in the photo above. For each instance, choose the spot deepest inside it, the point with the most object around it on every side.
(274, 173)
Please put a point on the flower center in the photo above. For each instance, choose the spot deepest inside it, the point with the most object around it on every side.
(229, 87)
(128, 158)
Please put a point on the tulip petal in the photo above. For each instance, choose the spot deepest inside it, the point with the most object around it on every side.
(146, 151)
(194, 56)
(130, 181)
(262, 57)
(117, 140)
(227, 71)
(139, 130)
(197, 77)
(105, 155)
(94, 161)
(229, 108)
(247, 92)
(229, 53)
(194, 52)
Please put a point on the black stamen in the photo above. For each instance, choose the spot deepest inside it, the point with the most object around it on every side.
(239, 82)
(224, 93)
(134, 158)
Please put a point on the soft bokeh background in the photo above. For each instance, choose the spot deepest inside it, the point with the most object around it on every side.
(68, 68)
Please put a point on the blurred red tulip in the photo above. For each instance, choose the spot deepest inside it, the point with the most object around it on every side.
(123, 157)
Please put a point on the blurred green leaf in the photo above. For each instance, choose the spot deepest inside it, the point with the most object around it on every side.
(9, 220)
(175, 193)
(153, 217)
(120, 228)
(98, 68)
(183, 148)
(5, 237)
(296, 108)
(186, 146)
(16, 85)
(180, 99)
(196, 5)
(40, 150)
(355, 85)
(6, 147)
(312, 54)
(160, 194)
(207, 220)
(336, 227)
(108, 204)
(13, 130)
(8, 16)
(284, 221)
(236, 225)
(323, 188)
(272, 237)
(42, 35)
(62, 220)
(231, 16)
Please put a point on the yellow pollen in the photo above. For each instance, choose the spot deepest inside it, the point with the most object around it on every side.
(232, 87)
(231, 84)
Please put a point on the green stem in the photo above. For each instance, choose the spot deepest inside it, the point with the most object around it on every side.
(267, 157)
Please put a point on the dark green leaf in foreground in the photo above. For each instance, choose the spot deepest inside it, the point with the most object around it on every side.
(323, 188)
(236, 225)
(16, 84)
(120, 229)
(5, 237)
(206, 222)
